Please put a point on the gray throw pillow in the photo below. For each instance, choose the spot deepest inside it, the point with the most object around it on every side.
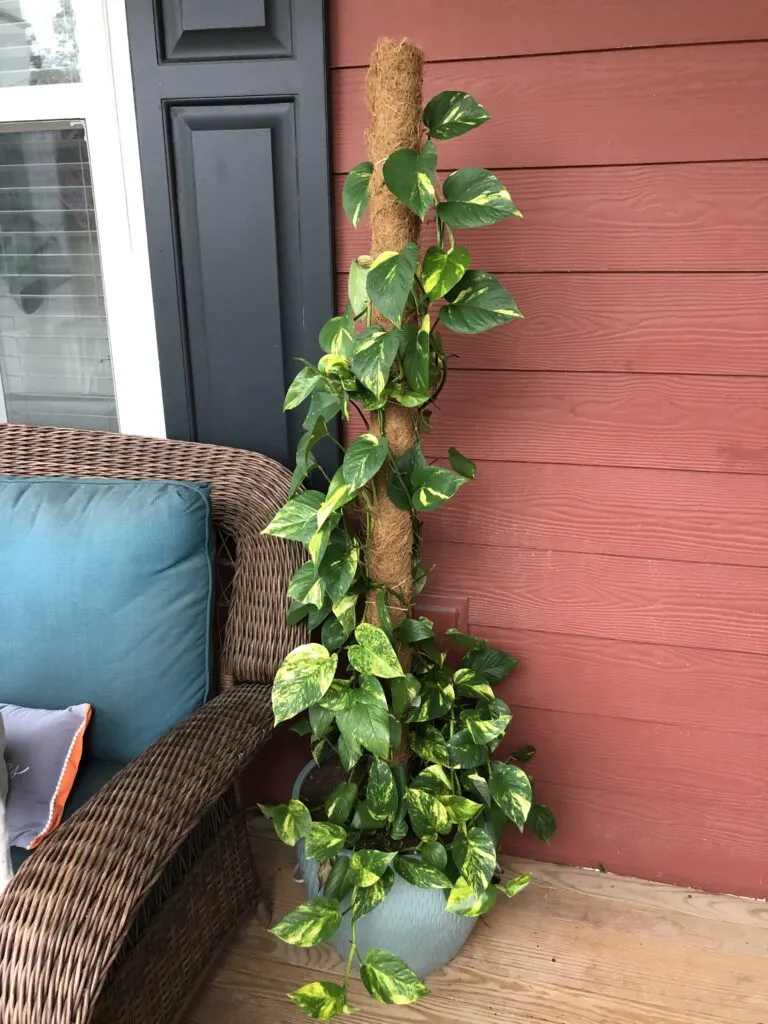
(43, 751)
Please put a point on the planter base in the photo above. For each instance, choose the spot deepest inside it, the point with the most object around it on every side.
(412, 923)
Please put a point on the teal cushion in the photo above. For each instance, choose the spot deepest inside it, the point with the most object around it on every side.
(106, 598)
(90, 779)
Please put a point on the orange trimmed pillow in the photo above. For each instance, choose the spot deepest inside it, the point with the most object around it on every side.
(43, 750)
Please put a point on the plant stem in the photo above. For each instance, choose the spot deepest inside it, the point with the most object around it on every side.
(352, 951)
(362, 415)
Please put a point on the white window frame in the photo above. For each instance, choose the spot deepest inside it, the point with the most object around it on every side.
(103, 100)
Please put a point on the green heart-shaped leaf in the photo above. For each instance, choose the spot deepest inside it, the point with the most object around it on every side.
(357, 290)
(337, 568)
(367, 898)
(452, 113)
(542, 821)
(429, 744)
(475, 856)
(473, 198)
(477, 303)
(372, 357)
(302, 386)
(434, 854)
(420, 874)
(339, 803)
(433, 486)
(321, 1000)
(290, 820)
(390, 980)
(367, 866)
(515, 885)
(427, 814)
(414, 354)
(354, 195)
(310, 923)
(490, 663)
(336, 885)
(337, 336)
(461, 808)
(390, 280)
(364, 720)
(339, 493)
(463, 752)
(297, 519)
(487, 722)
(441, 271)
(411, 177)
(324, 840)
(464, 900)
(305, 586)
(511, 791)
(381, 794)
(433, 780)
(461, 464)
(374, 654)
(364, 458)
(301, 680)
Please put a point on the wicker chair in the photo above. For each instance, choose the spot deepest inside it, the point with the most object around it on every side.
(115, 917)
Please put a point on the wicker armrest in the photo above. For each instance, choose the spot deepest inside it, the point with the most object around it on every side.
(64, 917)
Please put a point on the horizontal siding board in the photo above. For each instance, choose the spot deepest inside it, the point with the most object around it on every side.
(639, 513)
(692, 217)
(684, 604)
(620, 107)
(537, 26)
(639, 323)
(635, 758)
(620, 679)
(665, 422)
(677, 841)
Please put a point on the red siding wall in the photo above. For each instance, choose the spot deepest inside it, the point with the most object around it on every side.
(617, 535)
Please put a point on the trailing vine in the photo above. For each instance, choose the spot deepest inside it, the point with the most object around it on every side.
(414, 729)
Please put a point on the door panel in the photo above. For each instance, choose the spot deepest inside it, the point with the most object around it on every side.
(231, 106)
(199, 30)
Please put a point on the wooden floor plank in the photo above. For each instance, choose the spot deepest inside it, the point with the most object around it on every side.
(577, 948)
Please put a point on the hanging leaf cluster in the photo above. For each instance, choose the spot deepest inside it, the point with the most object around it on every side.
(436, 822)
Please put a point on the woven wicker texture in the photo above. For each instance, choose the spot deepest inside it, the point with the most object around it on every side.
(115, 917)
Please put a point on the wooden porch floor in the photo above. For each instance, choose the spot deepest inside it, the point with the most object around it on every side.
(577, 947)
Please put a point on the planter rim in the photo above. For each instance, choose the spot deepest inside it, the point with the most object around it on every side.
(301, 778)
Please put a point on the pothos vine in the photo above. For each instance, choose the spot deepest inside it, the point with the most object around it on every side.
(435, 816)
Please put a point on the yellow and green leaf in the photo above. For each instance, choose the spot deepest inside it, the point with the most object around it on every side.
(390, 980)
(302, 679)
(354, 194)
(452, 113)
(411, 177)
(477, 303)
(310, 923)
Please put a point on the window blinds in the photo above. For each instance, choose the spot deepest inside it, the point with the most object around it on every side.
(55, 365)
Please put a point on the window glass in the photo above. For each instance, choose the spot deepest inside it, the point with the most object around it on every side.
(38, 45)
(55, 365)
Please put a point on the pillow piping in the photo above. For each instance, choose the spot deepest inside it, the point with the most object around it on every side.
(66, 781)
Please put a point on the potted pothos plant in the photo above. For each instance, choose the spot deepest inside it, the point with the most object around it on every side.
(405, 725)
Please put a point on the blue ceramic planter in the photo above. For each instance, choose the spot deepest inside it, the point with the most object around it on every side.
(412, 923)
